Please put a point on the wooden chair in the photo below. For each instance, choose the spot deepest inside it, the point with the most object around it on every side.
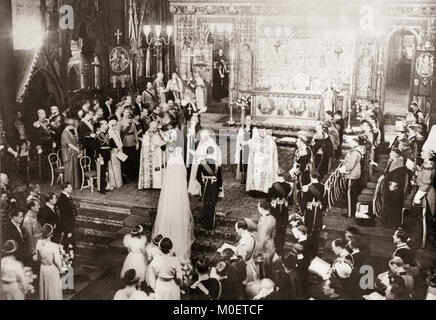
(88, 175)
(57, 170)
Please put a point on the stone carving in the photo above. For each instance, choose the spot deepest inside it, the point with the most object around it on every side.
(365, 73)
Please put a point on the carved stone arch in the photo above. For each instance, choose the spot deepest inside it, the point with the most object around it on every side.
(412, 30)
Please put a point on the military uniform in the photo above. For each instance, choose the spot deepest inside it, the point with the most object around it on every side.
(301, 171)
(353, 171)
(210, 178)
(42, 138)
(278, 197)
(104, 151)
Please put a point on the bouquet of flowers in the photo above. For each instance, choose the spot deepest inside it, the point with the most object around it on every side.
(187, 271)
(29, 277)
(67, 256)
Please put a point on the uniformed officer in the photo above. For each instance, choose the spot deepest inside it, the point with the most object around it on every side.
(104, 154)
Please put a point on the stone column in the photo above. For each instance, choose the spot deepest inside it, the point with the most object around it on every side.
(7, 81)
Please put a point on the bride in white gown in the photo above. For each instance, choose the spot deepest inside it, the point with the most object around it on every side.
(174, 218)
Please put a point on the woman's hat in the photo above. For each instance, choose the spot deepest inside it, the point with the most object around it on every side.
(157, 239)
(10, 247)
(47, 231)
(137, 230)
(130, 277)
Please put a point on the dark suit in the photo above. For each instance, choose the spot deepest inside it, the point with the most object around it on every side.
(85, 139)
(12, 233)
(137, 109)
(48, 216)
(107, 111)
(68, 214)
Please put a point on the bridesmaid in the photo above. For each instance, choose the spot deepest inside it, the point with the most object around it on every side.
(136, 243)
(50, 258)
(116, 143)
(71, 153)
(12, 279)
(167, 273)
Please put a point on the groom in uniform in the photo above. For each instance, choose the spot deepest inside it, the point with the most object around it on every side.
(210, 178)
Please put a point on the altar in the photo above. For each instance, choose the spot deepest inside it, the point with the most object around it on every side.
(295, 61)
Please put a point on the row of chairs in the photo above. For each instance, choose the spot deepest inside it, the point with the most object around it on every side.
(58, 170)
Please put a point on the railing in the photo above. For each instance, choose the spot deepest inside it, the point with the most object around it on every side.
(336, 186)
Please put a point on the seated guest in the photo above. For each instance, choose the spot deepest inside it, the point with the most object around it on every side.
(236, 271)
(205, 288)
(130, 292)
(397, 289)
(287, 281)
(339, 274)
(15, 231)
(405, 251)
(396, 268)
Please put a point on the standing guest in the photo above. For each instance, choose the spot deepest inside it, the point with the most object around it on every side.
(68, 215)
(278, 197)
(334, 137)
(262, 163)
(55, 115)
(300, 172)
(175, 88)
(107, 108)
(149, 96)
(131, 292)
(395, 175)
(152, 250)
(50, 258)
(136, 243)
(71, 153)
(205, 288)
(130, 138)
(245, 134)
(191, 142)
(99, 115)
(84, 109)
(209, 176)
(266, 228)
(246, 248)
(138, 106)
(167, 273)
(160, 89)
(57, 126)
(352, 171)
(32, 227)
(87, 134)
(42, 138)
(152, 159)
(49, 215)
(104, 155)
(34, 194)
(12, 279)
(119, 110)
(314, 202)
(322, 149)
(116, 144)
(417, 113)
(15, 231)
(340, 122)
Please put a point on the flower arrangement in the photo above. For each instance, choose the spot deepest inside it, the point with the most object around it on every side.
(29, 277)
(244, 102)
(67, 256)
